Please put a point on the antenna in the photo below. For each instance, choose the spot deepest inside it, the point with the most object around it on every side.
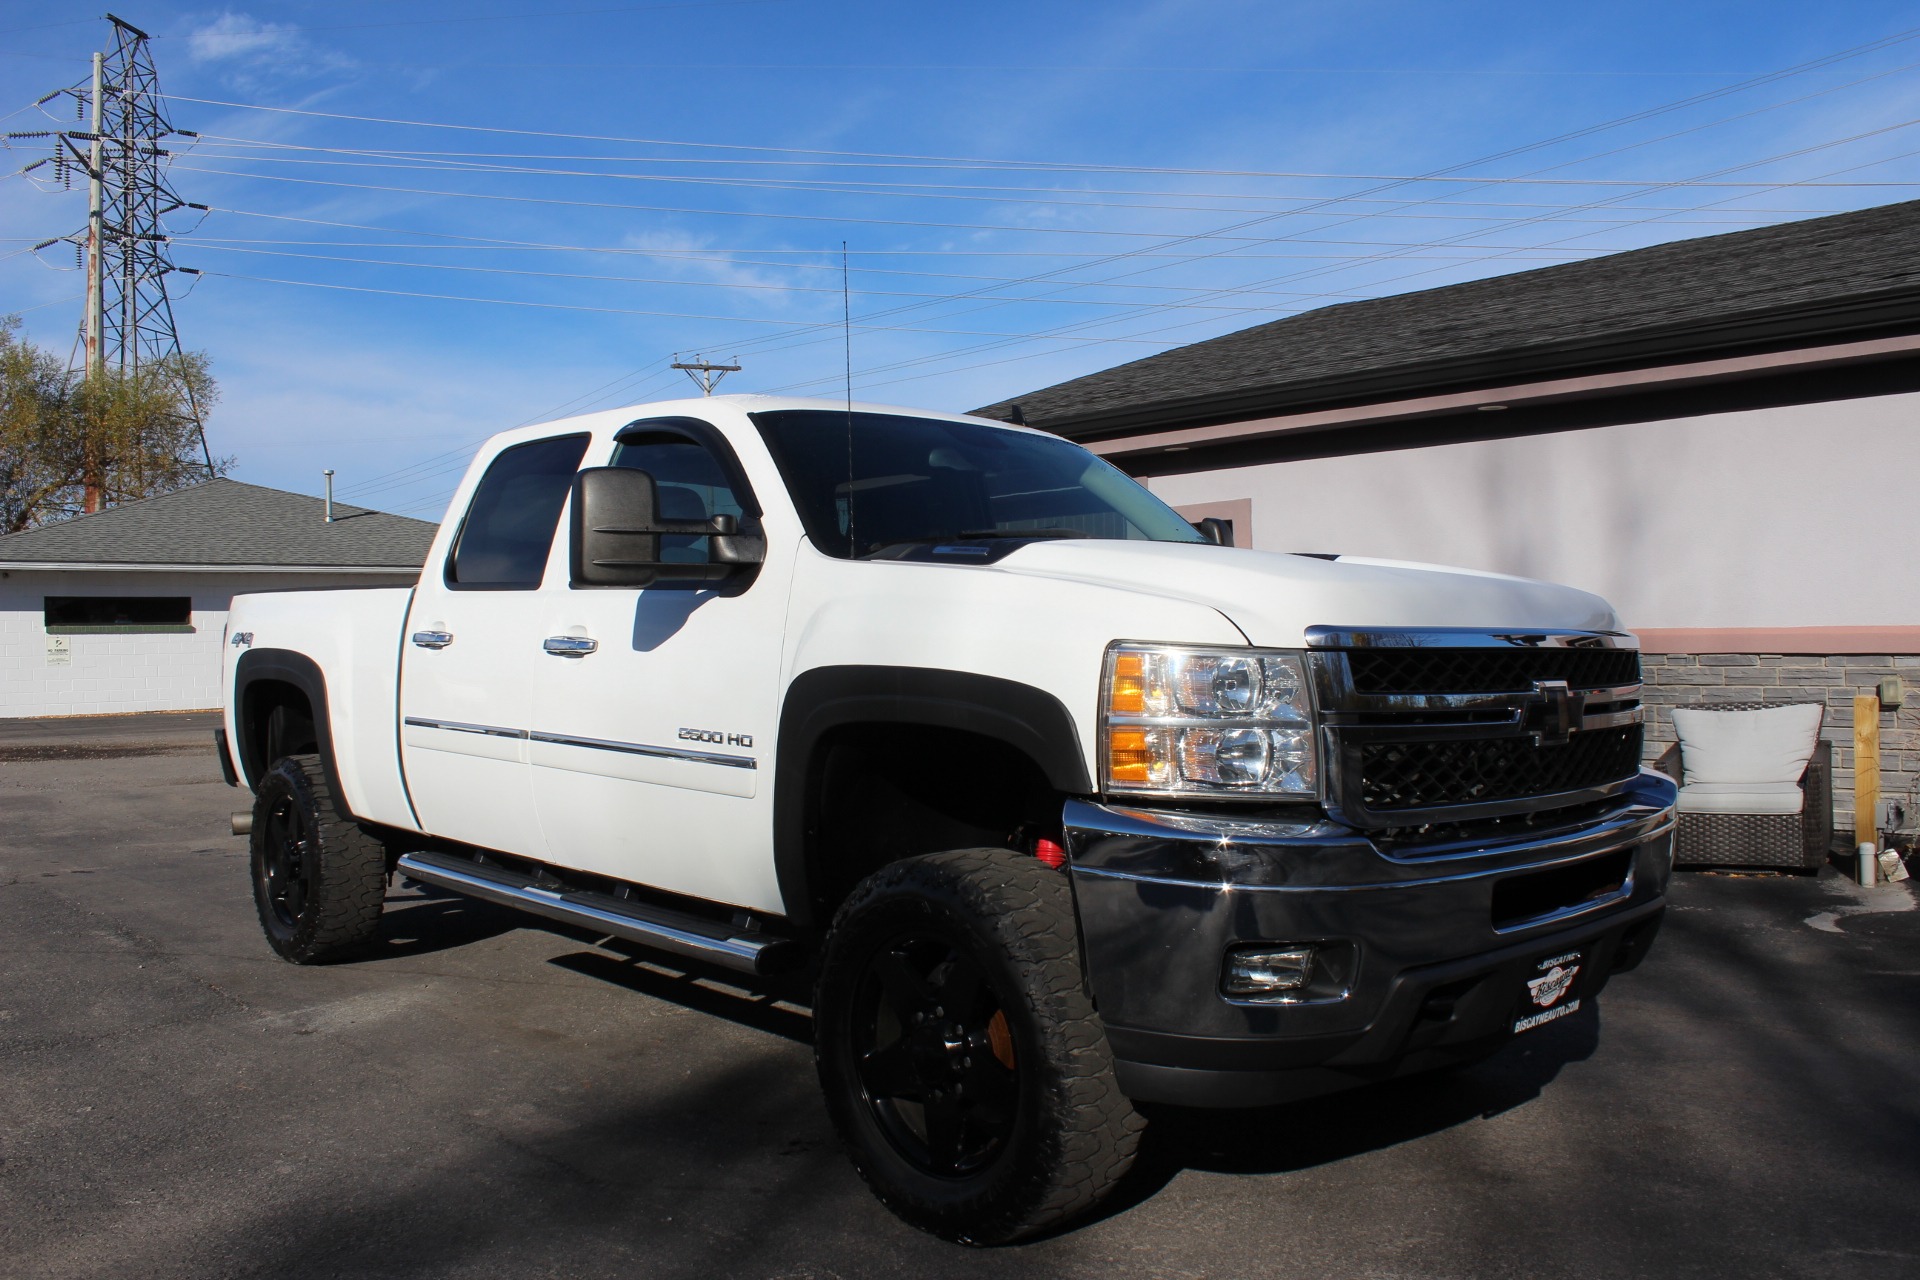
(846, 341)
(705, 376)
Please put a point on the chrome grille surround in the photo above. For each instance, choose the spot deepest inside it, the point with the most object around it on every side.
(1550, 740)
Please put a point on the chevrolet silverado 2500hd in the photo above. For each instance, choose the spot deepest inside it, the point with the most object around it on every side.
(1062, 804)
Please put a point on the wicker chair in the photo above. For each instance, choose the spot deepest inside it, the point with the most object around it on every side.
(1799, 840)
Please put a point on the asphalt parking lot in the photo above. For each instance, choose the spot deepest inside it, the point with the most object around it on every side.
(492, 1096)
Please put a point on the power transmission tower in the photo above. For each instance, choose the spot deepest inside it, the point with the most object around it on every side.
(129, 314)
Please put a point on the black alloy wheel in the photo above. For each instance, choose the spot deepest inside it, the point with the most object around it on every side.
(935, 1056)
(961, 1059)
(283, 878)
(319, 877)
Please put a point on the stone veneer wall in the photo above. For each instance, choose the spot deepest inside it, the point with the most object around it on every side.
(1674, 679)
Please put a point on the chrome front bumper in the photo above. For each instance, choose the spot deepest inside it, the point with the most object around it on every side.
(1422, 951)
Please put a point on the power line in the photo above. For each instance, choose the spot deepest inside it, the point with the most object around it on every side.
(265, 144)
(1524, 221)
(872, 190)
(1138, 335)
(711, 258)
(1650, 113)
(1708, 95)
(712, 284)
(613, 311)
(543, 15)
(870, 253)
(1636, 117)
(1069, 329)
(846, 220)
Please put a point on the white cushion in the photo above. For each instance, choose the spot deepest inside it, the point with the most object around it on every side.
(1773, 745)
(1740, 797)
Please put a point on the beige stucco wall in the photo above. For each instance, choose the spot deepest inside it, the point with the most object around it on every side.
(1794, 517)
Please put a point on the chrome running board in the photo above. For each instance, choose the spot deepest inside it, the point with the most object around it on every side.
(650, 926)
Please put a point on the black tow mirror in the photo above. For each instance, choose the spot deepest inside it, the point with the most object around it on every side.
(1215, 530)
(616, 532)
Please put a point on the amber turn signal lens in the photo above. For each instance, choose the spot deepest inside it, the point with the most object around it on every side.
(1128, 695)
(1129, 758)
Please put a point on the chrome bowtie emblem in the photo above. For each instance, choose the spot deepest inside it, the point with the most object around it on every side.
(1554, 712)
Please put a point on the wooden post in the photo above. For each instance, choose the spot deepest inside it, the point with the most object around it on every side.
(1866, 768)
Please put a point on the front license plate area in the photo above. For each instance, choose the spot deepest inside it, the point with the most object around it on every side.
(1547, 991)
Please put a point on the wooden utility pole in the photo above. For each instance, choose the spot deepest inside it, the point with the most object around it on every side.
(96, 228)
(93, 478)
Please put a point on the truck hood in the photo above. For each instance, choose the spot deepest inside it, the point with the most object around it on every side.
(1273, 597)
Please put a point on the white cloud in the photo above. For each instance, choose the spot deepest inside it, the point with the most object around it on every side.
(251, 53)
(234, 35)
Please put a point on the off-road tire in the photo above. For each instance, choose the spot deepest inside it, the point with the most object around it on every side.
(341, 870)
(1073, 1134)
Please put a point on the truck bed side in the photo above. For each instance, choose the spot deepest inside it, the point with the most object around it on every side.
(347, 642)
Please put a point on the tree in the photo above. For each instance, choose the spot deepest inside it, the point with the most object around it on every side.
(70, 444)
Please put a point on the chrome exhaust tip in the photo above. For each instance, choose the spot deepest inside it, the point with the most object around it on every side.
(242, 823)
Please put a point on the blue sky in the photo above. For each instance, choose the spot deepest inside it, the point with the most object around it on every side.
(1027, 191)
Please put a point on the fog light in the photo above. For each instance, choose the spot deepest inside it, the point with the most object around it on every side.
(1266, 970)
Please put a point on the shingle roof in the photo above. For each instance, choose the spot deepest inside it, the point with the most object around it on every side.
(225, 522)
(1823, 278)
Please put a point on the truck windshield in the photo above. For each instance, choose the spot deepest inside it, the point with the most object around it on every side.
(867, 482)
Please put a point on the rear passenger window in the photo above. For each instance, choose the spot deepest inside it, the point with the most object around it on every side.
(510, 524)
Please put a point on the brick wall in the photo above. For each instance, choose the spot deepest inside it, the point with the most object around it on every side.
(1674, 679)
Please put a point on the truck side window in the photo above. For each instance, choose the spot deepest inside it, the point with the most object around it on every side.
(510, 524)
(692, 486)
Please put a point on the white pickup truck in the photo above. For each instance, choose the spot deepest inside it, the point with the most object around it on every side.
(1062, 804)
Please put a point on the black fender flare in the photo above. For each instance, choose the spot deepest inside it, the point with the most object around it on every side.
(284, 666)
(1030, 720)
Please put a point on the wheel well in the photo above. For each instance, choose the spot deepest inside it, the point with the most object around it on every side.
(882, 792)
(276, 719)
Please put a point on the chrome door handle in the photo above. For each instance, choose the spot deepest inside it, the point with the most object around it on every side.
(569, 646)
(433, 639)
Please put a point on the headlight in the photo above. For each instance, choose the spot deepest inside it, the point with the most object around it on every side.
(1207, 722)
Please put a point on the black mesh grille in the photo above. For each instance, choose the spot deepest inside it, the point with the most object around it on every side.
(1417, 775)
(1489, 670)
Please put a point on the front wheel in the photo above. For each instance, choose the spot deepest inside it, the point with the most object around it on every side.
(319, 880)
(962, 1061)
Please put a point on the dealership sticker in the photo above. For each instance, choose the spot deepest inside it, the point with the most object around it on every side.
(1535, 1019)
(1551, 985)
(1544, 992)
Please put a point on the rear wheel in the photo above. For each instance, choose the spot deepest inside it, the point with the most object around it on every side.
(962, 1061)
(319, 880)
